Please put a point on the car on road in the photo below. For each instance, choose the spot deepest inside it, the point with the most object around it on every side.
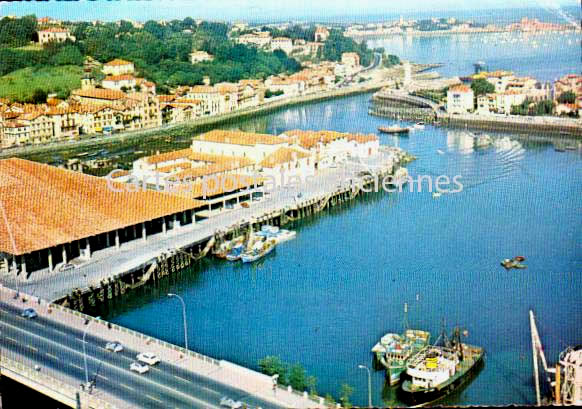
(148, 358)
(139, 367)
(230, 403)
(29, 313)
(114, 346)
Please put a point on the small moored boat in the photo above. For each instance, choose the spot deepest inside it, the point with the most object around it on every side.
(259, 250)
(394, 129)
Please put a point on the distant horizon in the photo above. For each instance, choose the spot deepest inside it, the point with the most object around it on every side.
(251, 12)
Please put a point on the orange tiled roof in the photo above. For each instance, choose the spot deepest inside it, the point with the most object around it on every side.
(203, 89)
(47, 206)
(166, 98)
(54, 30)
(100, 93)
(124, 77)
(240, 138)
(117, 62)
(460, 88)
(283, 155)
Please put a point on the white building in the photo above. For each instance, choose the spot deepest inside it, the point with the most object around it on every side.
(118, 67)
(460, 99)
(200, 56)
(126, 81)
(54, 34)
(282, 43)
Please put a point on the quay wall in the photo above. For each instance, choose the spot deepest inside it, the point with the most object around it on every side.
(199, 124)
(403, 107)
(173, 263)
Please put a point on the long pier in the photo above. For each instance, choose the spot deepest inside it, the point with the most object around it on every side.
(112, 272)
(400, 105)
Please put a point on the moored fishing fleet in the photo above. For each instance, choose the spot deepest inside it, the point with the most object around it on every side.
(426, 373)
(254, 246)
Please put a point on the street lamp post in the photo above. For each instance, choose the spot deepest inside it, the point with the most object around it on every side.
(184, 317)
(85, 352)
(369, 384)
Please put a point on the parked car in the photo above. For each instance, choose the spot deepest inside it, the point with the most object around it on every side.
(29, 313)
(139, 367)
(245, 205)
(230, 403)
(66, 267)
(114, 346)
(148, 358)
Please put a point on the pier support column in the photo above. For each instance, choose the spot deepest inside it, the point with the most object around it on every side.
(23, 264)
(144, 236)
(117, 243)
(193, 216)
(14, 265)
(134, 232)
(88, 247)
(65, 253)
(175, 224)
(7, 264)
(107, 240)
(50, 260)
(164, 227)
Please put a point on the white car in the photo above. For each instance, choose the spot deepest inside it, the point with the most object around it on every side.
(139, 367)
(148, 358)
(114, 346)
(230, 403)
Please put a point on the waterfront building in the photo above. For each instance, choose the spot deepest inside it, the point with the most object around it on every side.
(248, 145)
(568, 83)
(118, 67)
(286, 165)
(78, 214)
(54, 34)
(200, 56)
(460, 100)
(98, 96)
(179, 110)
(290, 87)
(210, 97)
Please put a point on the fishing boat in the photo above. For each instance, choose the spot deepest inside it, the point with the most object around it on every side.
(227, 246)
(394, 129)
(259, 250)
(436, 195)
(439, 370)
(236, 253)
(419, 125)
(394, 350)
(273, 232)
(508, 263)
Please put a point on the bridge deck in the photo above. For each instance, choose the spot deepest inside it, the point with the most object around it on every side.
(183, 379)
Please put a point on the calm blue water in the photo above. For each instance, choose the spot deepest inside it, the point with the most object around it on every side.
(324, 299)
(545, 57)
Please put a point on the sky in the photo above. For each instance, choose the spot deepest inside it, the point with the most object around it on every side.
(252, 10)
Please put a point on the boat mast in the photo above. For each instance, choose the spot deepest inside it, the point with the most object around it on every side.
(535, 346)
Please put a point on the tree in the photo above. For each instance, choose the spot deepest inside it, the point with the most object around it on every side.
(391, 60)
(272, 365)
(481, 87)
(67, 55)
(297, 377)
(567, 97)
(39, 96)
(346, 392)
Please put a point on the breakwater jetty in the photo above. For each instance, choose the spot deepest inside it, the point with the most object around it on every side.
(400, 105)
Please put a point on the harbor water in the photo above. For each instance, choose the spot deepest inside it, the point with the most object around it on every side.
(324, 299)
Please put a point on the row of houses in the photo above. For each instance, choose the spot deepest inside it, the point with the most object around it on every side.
(126, 102)
(264, 40)
(510, 91)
